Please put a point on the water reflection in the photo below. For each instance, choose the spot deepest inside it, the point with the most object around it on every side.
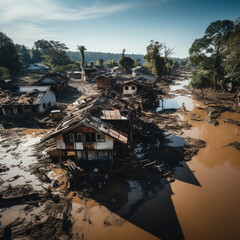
(176, 141)
(178, 100)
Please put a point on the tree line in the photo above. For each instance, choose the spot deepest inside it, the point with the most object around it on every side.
(14, 58)
(216, 56)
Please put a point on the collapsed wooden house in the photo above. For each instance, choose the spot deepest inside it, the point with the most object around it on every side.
(93, 132)
(139, 70)
(141, 89)
(57, 81)
(27, 100)
(130, 87)
(88, 73)
(105, 82)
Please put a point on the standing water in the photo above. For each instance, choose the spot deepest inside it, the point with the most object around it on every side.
(202, 203)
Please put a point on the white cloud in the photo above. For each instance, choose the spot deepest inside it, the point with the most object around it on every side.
(39, 10)
(28, 31)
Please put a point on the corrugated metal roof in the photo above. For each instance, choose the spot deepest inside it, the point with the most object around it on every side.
(27, 89)
(38, 66)
(111, 115)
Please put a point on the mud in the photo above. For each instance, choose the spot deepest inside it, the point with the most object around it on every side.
(37, 191)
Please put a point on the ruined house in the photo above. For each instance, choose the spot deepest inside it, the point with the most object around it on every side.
(100, 68)
(117, 70)
(57, 81)
(105, 82)
(130, 87)
(38, 68)
(27, 100)
(139, 70)
(94, 132)
(88, 73)
(75, 74)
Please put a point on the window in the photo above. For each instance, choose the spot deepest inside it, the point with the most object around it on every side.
(44, 106)
(126, 87)
(68, 137)
(71, 137)
(90, 137)
(100, 137)
(133, 88)
(78, 137)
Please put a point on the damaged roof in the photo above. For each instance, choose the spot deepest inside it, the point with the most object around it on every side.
(95, 114)
(112, 115)
(38, 66)
(26, 95)
(58, 77)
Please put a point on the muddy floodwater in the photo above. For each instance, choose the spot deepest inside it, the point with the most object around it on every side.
(202, 203)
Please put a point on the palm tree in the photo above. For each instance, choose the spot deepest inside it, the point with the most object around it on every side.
(81, 49)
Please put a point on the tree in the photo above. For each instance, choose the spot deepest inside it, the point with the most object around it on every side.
(137, 62)
(232, 62)
(154, 58)
(24, 53)
(91, 64)
(208, 50)
(4, 73)
(200, 80)
(36, 56)
(110, 63)
(99, 62)
(82, 49)
(126, 62)
(53, 52)
(9, 57)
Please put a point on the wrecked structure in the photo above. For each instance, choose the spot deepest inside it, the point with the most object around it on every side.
(130, 87)
(105, 82)
(117, 70)
(38, 68)
(139, 70)
(27, 100)
(88, 73)
(57, 81)
(94, 130)
(142, 90)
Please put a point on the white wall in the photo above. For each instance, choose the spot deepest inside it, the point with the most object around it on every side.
(130, 91)
(48, 97)
(106, 145)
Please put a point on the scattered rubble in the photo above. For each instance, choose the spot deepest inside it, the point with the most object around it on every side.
(234, 144)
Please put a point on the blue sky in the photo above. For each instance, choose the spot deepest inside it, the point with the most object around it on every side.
(110, 26)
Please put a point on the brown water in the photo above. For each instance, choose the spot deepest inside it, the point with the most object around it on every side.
(212, 210)
(203, 202)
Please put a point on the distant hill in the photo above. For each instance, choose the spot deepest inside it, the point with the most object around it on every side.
(94, 56)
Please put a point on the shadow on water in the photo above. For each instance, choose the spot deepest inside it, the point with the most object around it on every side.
(185, 174)
(146, 206)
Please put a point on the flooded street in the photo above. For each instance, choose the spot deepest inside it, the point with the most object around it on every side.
(202, 203)
(212, 210)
